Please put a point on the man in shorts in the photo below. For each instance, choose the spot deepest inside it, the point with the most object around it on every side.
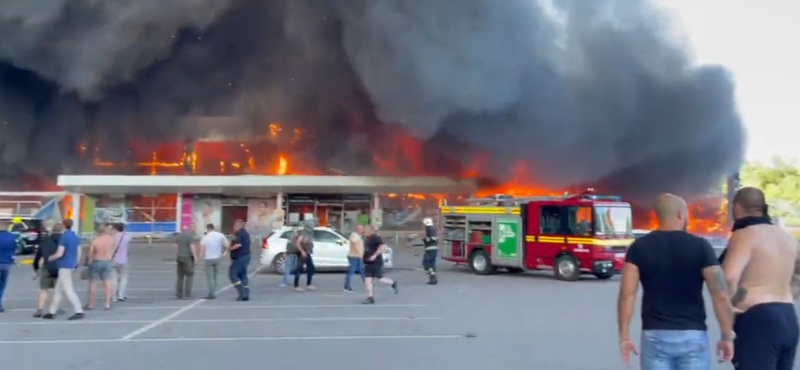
(373, 261)
(100, 268)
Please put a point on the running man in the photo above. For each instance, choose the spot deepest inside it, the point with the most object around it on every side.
(763, 273)
(672, 265)
(431, 251)
(354, 257)
(373, 260)
(66, 257)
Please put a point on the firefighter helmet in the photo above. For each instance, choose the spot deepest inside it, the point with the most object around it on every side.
(427, 221)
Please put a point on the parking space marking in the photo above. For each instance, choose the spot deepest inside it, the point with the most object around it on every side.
(235, 339)
(212, 321)
(310, 306)
(177, 313)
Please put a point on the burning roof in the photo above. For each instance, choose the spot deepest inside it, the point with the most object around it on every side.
(568, 92)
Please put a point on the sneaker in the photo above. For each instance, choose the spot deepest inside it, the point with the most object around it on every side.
(395, 287)
(48, 316)
(311, 288)
(283, 285)
(348, 290)
(369, 300)
(299, 289)
(122, 299)
(38, 314)
(77, 316)
(245, 299)
(2, 310)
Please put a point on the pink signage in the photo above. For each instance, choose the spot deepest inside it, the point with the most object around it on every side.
(187, 211)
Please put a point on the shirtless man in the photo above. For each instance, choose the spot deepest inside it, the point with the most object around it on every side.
(100, 268)
(761, 268)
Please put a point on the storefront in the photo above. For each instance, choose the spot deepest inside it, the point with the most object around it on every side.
(168, 204)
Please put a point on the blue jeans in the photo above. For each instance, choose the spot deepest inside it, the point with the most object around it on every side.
(675, 350)
(289, 262)
(356, 265)
(238, 271)
(5, 270)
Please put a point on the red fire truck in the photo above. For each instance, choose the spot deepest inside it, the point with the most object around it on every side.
(572, 234)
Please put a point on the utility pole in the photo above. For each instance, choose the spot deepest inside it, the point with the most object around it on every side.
(733, 186)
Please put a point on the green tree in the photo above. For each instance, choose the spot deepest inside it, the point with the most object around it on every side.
(780, 182)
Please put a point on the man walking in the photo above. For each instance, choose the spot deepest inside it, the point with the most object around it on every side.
(672, 265)
(373, 259)
(46, 270)
(67, 257)
(431, 251)
(8, 247)
(187, 257)
(290, 257)
(120, 261)
(240, 261)
(354, 257)
(762, 268)
(213, 246)
(305, 247)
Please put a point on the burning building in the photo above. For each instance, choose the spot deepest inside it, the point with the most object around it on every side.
(514, 96)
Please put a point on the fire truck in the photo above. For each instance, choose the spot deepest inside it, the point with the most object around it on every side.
(571, 234)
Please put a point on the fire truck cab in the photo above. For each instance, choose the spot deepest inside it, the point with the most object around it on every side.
(571, 234)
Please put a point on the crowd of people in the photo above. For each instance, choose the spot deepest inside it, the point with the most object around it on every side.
(753, 286)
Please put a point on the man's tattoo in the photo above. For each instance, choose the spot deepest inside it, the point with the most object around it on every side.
(718, 283)
(739, 296)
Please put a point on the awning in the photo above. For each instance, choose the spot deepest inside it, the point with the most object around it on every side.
(255, 185)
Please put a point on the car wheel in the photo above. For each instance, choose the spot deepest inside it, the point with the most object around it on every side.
(480, 263)
(604, 276)
(567, 268)
(279, 264)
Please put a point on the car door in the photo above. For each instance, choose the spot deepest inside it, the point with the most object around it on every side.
(328, 249)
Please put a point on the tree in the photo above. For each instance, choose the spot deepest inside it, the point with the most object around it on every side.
(780, 182)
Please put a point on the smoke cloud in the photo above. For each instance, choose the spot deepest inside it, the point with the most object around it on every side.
(596, 92)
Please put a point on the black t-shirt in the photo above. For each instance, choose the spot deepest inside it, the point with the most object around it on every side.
(670, 269)
(371, 245)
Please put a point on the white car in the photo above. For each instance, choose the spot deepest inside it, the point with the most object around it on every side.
(330, 249)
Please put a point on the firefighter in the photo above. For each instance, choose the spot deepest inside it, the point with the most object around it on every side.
(431, 250)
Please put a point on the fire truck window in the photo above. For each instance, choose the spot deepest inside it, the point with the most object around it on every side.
(580, 221)
(550, 221)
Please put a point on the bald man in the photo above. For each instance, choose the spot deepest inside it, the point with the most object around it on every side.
(672, 265)
(761, 268)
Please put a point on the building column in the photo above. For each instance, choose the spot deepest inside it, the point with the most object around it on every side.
(281, 220)
(179, 213)
(76, 212)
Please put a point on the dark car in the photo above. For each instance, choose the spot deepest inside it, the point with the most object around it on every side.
(32, 232)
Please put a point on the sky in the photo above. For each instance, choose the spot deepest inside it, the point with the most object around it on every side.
(757, 42)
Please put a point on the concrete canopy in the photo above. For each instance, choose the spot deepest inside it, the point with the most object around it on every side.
(256, 185)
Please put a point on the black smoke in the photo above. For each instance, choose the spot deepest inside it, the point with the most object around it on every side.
(595, 92)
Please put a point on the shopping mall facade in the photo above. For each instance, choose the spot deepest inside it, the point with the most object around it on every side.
(154, 205)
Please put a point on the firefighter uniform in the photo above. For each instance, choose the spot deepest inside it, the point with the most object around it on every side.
(431, 244)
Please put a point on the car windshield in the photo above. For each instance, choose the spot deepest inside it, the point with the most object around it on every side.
(613, 221)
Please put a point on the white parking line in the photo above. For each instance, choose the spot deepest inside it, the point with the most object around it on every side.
(233, 339)
(177, 313)
(211, 321)
(249, 307)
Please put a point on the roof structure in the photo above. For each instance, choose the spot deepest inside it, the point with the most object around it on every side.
(254, 185)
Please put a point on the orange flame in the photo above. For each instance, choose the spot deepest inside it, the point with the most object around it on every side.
(283, 165)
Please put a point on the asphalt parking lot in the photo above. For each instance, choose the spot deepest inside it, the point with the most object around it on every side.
(467, 322)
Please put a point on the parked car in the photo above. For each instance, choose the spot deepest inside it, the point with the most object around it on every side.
(330, 249)
(32, 231)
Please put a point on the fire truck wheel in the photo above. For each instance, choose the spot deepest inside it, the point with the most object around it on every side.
(605, 276)
(480, 263)
(567, 268)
